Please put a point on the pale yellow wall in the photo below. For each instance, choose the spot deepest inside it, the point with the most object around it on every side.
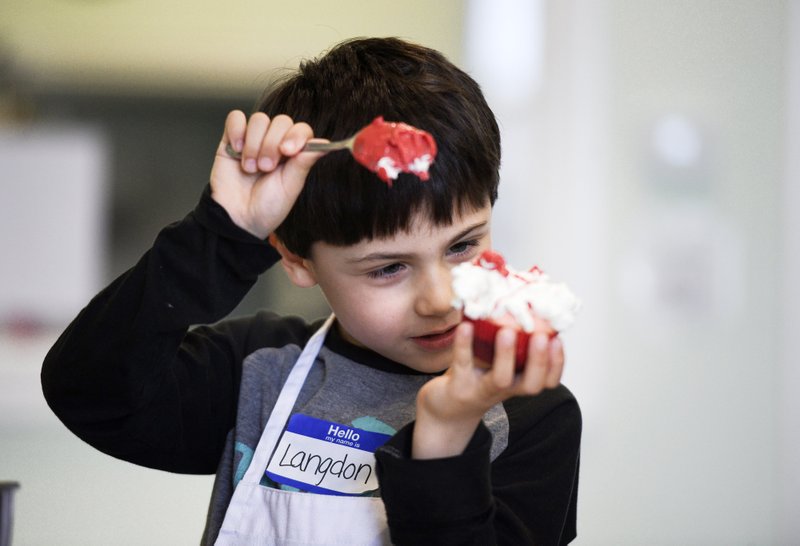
(212, 46)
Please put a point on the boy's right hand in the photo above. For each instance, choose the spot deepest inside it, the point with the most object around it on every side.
(450, 406)
(259, 189)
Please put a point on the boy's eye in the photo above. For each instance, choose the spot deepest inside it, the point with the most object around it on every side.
(386, 271)
(464, 247)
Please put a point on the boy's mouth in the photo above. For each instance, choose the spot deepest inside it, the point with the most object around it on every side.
(436, 341)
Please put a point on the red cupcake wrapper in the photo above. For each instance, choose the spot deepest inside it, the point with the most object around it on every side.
(484, 334)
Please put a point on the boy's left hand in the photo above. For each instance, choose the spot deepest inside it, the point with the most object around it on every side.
(449, 407)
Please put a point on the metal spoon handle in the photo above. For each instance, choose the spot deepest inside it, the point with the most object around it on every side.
(329, 146)
(309, 147)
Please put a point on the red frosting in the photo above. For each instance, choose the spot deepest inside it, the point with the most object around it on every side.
(489, 259)
(388, 148)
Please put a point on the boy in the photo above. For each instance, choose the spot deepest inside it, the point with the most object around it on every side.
(288, 414)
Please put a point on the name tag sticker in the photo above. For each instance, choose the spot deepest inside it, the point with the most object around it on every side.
(325, 457)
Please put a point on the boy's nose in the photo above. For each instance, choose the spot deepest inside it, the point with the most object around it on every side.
(435, 294)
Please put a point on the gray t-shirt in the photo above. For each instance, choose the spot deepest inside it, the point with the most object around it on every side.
(338, 390)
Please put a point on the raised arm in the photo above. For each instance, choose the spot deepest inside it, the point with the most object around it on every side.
(436, 477)
(128, 375)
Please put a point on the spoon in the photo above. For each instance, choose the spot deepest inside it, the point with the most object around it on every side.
(385, 148)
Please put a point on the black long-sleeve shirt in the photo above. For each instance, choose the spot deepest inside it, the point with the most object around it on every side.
(135, 377)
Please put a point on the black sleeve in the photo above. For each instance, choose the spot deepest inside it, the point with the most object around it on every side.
(528, 495)
(129, 376)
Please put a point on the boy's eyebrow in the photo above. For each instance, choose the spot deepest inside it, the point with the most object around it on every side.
(405, 256)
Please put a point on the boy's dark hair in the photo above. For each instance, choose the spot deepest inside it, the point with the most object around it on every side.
(344, 90)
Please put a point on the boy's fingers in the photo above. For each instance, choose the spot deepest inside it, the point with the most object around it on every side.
(254, 137)
(503, 365)
(295, 139)
(462, 346)
(299, 162)
(235, 125)
(553, 378)
(269, 156)
(536, 367)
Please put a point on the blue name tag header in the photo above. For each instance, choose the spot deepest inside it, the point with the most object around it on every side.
(336, 433)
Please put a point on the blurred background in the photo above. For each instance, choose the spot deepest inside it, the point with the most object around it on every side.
(650, 159)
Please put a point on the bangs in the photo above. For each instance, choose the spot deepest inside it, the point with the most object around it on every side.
(343, 203)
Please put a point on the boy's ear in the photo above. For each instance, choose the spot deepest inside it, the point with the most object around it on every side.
(297, 268)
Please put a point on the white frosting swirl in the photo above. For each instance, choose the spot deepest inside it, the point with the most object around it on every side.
(486, 293)
(417, 165)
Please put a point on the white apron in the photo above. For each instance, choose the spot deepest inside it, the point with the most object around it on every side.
(264, 515)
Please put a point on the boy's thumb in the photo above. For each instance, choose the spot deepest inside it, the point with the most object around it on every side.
(299, 165)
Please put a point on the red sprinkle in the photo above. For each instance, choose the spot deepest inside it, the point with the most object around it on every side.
(492, 260)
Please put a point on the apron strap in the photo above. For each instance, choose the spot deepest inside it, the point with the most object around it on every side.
(285, 403)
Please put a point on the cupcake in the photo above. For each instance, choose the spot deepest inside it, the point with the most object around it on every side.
(492, 295)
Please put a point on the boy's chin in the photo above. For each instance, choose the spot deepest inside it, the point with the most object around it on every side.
(436, 365)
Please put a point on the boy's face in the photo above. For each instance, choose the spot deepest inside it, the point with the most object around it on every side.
(393, 295)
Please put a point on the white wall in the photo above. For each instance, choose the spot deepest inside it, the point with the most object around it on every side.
(788, 475)
(648, 170)
(52, 221)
